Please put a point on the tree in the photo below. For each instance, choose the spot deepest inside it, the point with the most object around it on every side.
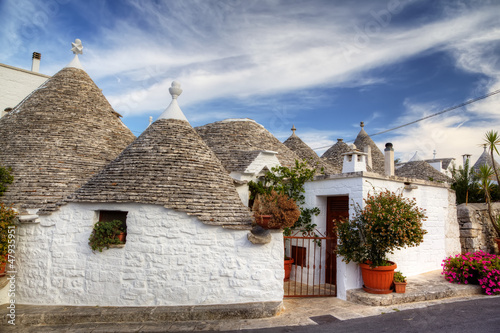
(484, 174)
(492, 139)
(464, 183)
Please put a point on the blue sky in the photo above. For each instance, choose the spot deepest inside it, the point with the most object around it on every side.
(323, 66)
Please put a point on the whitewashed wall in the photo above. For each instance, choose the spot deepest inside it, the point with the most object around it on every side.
(16, 84)
(169, 259)
(441, 240)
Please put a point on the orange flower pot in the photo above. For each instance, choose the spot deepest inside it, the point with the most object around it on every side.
(288, 268)
(121, 237)
(378, 280)
(400, 287)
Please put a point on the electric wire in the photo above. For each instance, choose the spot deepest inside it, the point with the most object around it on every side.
(470, 101)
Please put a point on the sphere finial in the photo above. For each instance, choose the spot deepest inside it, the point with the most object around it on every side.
(175, 90)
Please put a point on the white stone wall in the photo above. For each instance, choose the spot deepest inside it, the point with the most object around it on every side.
(441, 240)
(169, 259)
(16, 84)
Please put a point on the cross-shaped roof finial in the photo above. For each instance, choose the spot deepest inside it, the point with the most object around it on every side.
(293, 129)
(77, 47)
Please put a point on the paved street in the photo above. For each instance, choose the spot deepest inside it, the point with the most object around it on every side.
(480, 315)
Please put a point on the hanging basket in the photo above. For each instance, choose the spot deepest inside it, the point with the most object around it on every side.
(263, 221)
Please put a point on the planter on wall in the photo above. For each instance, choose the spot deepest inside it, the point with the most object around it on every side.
(288, 268)
(379, 279)
(498, 243)
(400, 287)
(121, 237)
(263, 221)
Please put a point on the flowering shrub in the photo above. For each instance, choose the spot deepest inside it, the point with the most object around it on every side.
(387, 222)
(478, 268)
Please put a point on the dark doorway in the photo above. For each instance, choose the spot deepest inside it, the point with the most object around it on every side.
(337, 209)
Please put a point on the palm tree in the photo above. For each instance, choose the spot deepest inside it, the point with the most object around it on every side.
(484, 175)
(492, 139)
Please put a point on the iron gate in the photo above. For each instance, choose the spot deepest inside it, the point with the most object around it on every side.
(314, 269)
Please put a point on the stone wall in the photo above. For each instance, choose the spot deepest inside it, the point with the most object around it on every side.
(169, 259)
(476, 231)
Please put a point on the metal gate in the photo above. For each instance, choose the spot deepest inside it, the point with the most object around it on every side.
(314, 269)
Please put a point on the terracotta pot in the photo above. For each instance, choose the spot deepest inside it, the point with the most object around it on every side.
(400, 287)
(498, 243)
(288, 268)
(263, 221)
(121, 236)
(378, 280)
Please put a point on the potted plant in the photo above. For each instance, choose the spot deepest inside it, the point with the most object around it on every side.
(283, 211)
(288, 267)
(7, 220)
(387, 222)
(399, 282)
(106, 233)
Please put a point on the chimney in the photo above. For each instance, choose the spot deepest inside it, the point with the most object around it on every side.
(35, 65)
(368, 150)
(389, 159)
(5, 111)
(465, 157)
(354, 161)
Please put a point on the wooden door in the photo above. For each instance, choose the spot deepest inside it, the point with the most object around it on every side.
(337, 208)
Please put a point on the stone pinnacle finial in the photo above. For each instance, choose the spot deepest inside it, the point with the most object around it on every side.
(362, 124)
(173, 111)
(293, 129)
(77, 47)
(175, 90)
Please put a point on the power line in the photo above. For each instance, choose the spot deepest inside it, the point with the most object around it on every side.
(470, 101)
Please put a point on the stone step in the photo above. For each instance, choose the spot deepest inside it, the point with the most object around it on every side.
(425, 287)
(35, 315)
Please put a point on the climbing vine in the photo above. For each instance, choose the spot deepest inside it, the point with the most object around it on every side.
(5, 179)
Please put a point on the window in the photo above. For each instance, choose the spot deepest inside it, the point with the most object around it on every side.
(110, 215)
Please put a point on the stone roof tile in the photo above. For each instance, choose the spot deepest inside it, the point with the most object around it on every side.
(421, 170)
(305, 152)
(170, 165)
(246, 136)
(57, 138)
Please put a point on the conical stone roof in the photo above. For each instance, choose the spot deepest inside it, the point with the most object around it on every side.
(170, 165)
(363, 140)
(334, 155)
(305, 152)
(242, 135)
(421, 170)
(485, 159)
(58, 137)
